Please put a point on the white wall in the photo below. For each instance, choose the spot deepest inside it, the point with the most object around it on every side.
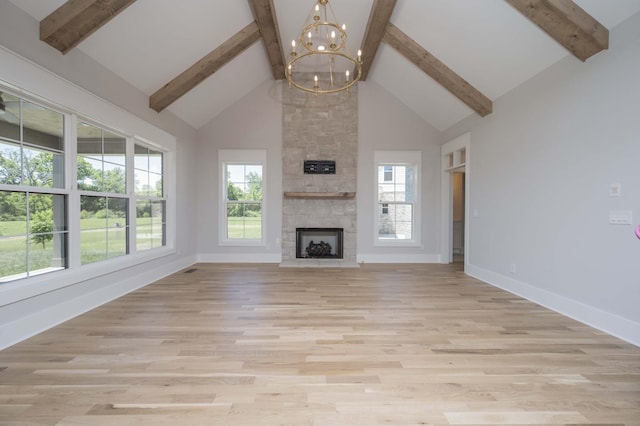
(542, 165)
(254, 122)
(386, 124)
(19, 33)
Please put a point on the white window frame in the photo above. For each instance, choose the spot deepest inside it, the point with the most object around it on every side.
(77, 254)
(47, 89)
(135, 197)
(398, 158)
(28, 190)
(248, 157)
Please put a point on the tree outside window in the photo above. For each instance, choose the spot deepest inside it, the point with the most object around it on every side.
(33, 201)
(244, 201)
(242, 197)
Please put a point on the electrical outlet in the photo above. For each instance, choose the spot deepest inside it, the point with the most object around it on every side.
(620, 217)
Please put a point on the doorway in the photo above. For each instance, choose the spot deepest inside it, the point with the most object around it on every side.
(457, 216)
(454, 225)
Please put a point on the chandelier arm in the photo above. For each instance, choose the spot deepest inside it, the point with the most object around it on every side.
(311, 88)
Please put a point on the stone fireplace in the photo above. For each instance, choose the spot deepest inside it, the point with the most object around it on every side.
(319, 129)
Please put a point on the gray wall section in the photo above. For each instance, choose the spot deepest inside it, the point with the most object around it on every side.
(19, 33)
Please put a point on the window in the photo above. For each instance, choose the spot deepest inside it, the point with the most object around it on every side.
(102, 164)
(101, 179)
(115, 178)
(397, 189)
(388, 173)
(242, 195)
(72, 190)
(151, 217)
(101, 160)
(33, 199)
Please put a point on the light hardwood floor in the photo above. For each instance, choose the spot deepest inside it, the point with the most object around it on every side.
(263, 345)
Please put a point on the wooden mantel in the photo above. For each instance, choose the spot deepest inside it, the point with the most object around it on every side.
(321, 195)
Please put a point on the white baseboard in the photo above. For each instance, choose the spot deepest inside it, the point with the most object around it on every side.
(398, 258)
(277, 258)
(239, 258)
(607, 322)
(28, 326)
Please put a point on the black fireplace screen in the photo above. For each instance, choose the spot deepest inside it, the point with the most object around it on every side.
(319, 243)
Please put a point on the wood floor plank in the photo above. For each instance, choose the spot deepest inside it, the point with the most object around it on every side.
(254, 345)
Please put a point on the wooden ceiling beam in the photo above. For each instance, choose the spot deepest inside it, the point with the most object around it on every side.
(205, 67)
(378, 20)
(437, 70)
(76, 20)
(567, 23)
(265, 15)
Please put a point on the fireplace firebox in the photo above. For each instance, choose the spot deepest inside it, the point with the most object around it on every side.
(319, 243)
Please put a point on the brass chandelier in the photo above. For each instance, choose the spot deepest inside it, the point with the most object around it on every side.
(320, 60)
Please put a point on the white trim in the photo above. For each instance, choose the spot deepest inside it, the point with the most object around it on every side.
(168, 187)
(240, 156)
(16, 331)
(71, 182)
(399, 157)
(446, 225)
(605, 321)
(239, 258)
(15, 291)
(397, 258)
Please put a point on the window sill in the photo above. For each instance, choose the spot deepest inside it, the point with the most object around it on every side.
(397, 243)
(15, 291)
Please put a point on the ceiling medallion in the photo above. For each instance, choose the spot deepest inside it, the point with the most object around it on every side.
(320, 59)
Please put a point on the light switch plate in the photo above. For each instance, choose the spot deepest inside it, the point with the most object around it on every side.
(620, 217)
(615, 190)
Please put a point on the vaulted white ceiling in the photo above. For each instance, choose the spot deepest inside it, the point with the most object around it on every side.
(486, 42)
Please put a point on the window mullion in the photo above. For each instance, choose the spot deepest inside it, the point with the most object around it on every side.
(71, 184)
(131, 195)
